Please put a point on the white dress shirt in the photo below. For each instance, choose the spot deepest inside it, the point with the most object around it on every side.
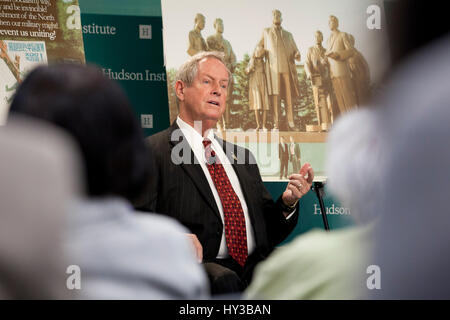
(195, 140)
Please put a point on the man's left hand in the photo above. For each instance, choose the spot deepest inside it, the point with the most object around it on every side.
(299, 185)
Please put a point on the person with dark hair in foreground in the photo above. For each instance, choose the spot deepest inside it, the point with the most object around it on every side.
(121, 254)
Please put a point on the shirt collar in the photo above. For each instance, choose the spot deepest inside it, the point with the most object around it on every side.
(277, 27)
(193, 137)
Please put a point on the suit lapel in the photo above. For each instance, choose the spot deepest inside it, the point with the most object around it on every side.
(284, 39)
(193, 170)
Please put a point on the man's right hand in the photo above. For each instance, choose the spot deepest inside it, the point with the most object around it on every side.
(198, 249)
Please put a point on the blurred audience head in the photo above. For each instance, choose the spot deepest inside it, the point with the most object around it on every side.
(353, 162)
(412, 240)
(96, 112)
(39, 171)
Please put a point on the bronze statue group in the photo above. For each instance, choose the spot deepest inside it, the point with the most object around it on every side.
(339, 74)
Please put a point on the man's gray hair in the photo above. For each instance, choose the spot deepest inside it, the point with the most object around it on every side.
(188, 70)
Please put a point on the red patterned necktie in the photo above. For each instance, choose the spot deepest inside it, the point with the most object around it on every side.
(235, 231)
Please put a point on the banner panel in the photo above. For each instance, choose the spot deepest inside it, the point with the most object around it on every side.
(129, 50)
(297, 66)
(34, 32)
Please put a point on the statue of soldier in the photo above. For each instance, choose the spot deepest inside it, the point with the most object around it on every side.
(196, 41)
(317, 70)
(281, 72)
(360, 71)
(339, 50)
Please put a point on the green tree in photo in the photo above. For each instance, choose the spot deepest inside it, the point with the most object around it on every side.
(304, 108)
(240, 113)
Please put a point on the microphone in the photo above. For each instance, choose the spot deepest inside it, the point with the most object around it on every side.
(318, 187)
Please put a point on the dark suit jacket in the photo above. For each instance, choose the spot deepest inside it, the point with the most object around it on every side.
(182, 192)
(297, 151)
(283, 152)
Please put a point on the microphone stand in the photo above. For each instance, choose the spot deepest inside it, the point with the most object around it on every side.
(318, 188)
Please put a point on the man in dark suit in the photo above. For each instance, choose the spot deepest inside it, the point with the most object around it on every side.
(214, 187)
(283, 154)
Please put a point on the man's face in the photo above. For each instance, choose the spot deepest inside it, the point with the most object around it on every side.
(201, 23)
(205, 99)
(319, 37)
(277, 18)
(219, 26)
(333, 24)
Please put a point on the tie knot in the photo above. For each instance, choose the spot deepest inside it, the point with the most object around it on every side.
(206, 143)
(210, 155)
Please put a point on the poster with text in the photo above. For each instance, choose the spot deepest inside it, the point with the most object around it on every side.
(34, 32)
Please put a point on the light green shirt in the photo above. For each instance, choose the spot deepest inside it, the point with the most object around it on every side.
(316, 265)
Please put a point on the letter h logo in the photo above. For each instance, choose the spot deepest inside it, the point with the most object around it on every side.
(145, 31)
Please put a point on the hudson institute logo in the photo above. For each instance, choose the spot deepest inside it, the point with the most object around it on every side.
(145, 31)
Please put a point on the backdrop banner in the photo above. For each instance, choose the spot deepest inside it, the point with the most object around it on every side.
(297, 67)
(32, 33)
(129, 49)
